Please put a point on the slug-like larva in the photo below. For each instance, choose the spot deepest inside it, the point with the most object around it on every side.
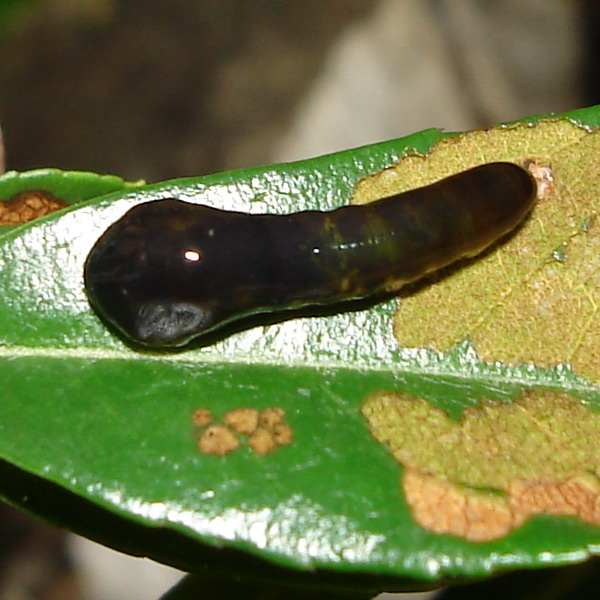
(169, 271)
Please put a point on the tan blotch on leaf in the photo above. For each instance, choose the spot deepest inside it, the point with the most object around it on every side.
(265, 430)
(543, 435)
(242, 420)
(217, 439)
(441, 507)
(27, 206)
(201, 417)
(282, 434)
(271, 417)
(262, 442)
(578, 496)
(538, 453)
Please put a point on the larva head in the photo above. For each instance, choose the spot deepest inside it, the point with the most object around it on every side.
(156, 274)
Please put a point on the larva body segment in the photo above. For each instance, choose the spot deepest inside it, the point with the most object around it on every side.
(169, 271)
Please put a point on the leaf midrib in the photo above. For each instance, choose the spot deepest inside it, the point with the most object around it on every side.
(512, 376)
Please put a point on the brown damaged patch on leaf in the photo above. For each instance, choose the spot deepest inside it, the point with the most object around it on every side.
(201, 417)
(218, 440)
(272, 417)
(541, 435)
(265, 431)
(28, 205)
(539, 454)
(578, 496)
(262, 442)
(242, 420)
(282, 434)
(444, 508)
(536, 297)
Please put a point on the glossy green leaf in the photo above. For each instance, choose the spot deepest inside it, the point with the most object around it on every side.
(91, 426)
(69, 186)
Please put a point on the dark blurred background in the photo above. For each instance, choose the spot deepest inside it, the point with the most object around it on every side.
(155, 89)
(158, 89)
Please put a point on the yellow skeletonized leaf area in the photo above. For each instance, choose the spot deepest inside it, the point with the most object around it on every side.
(536, 297)
(500, 464)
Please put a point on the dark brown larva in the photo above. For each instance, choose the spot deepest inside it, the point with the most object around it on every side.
(169, 271)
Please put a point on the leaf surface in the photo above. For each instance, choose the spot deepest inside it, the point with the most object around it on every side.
(114, 426)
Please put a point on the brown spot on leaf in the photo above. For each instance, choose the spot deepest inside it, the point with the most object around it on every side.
(242, 420)
(218, 440)
(271, 417)
(28, 205)
(201, 417)
(265, 431)
(282, 434)
(578, 496)
(537, 454)
(441, 507)
(262, 442)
